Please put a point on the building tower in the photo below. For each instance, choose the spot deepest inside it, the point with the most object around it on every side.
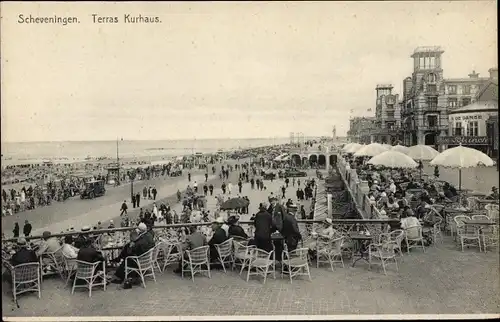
(429, 119)
(334, 133)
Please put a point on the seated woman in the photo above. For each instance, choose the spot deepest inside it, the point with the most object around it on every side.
(392, 204)
(68, 249)
(235, 230)
(327, 232)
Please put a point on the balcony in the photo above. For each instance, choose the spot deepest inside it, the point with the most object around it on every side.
(431, 90)
(431, 109)
(435, 127)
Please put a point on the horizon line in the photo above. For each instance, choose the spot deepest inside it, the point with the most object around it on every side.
(179, 139)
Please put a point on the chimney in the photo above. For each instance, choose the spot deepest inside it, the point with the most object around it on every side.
(493, 73)
(474, 75)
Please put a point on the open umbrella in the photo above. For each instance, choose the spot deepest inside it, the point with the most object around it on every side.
(422, 152)
(234, 203)
(348, 145)
(355, 147)
(401, 148)
(370, 150)
(393, 159)
(460, 158)
(388, 146)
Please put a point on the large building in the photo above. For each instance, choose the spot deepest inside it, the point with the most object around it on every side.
(422, 116)
(428, 98)
(476, 124)
(361, 129)
(424, 107)
(387, 115)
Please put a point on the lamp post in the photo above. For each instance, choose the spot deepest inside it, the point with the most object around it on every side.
(132, 177)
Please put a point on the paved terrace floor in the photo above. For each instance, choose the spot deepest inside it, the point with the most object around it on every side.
(443, 280)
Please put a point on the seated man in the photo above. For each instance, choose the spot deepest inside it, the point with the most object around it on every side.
(141, 245)
(494, 194)
(194, 240)
(23, 255)
(218, 237)
(48, 245)
(90, 255)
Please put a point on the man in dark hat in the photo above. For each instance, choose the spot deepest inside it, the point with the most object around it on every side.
(23, 254)
(263, 223)
(27, 228)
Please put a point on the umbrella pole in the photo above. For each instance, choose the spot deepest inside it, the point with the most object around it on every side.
(460, 180)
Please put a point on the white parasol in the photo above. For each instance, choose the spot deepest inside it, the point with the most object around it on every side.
(388, 146)
(401, 148)
(348, 146)
(393, 159)
(354, 148)
(370, 150)
(422, 152)
(462, 157)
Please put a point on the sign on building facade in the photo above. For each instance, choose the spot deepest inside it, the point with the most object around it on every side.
(465, 140)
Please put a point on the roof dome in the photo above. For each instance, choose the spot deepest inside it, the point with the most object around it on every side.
(477, 106)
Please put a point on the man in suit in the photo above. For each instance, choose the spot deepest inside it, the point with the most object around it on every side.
(22, 256)
(291, 231)
(263, 223)
(277, 212)
(141, 245)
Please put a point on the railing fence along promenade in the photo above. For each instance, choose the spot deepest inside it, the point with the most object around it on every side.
(358, 190)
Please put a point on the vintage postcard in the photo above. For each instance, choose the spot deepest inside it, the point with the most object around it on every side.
(249, 160)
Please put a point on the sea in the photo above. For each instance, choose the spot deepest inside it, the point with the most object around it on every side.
(74, 151)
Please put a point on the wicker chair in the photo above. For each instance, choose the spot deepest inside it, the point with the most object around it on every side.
(489, 234)
(296, 263)
(25, 278)
(241, 255)
(196, 260)
(70, 267)
(466, 232)
(413, 242)
(55, 259)
(88, 273)
(384, 251)
(167, 256)
(326, 251)
(145, 265)
(225, 253)
(397, 236)
(492, 211)
(263, 263)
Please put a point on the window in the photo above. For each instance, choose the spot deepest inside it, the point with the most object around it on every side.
(390, 126)
(422, 64)
(452, 89)
(432, 121)
(472, 128)
(457, 130)
(466, 89)
(466, 101)
(390, 114)
(432, 102)
(452, 102)
(431, 88)
(431, 78)
(433, 62)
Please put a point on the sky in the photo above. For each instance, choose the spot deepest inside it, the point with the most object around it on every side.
(222, 70)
